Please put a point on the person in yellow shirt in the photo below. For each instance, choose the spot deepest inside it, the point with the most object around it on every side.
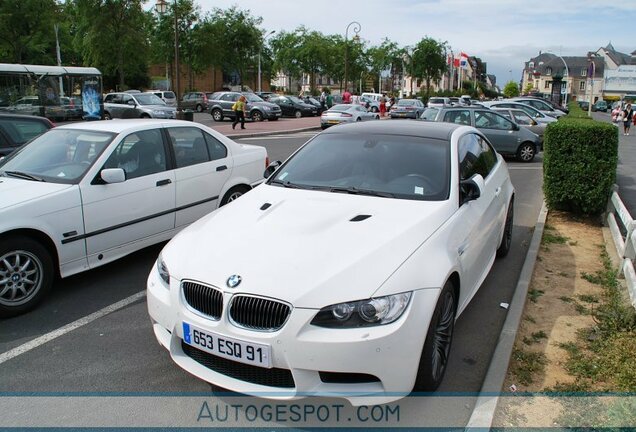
(239, 108)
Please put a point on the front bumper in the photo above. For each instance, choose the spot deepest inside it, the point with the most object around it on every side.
(388, 354)
(267, 115)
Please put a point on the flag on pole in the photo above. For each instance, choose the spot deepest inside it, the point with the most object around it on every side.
(463, 59)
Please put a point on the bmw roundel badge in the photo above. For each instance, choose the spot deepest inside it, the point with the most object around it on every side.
(233, 281)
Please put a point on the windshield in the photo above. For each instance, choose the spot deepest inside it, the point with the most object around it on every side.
(391, 166)
(406, 102)
(58, 156)
(169, 95)
(340, 108)
(429, 114)
(148, 99)
(295, 99)
(251, 97)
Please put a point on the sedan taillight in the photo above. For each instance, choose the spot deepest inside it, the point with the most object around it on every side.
(346, 115)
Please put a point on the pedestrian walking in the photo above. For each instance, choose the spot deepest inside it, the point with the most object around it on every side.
(323, 99)
(239, 112)
(329, 100)
(382, 106)
(628, 115)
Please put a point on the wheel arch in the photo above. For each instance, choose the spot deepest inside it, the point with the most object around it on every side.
(39, 236)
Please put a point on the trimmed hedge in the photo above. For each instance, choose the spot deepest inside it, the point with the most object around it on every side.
(579, 163)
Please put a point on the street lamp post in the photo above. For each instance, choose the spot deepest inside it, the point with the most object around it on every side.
(162, 8)
(259, 59)
(356, 28)
(590, 71)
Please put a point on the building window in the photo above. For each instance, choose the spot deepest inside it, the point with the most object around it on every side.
(582, 86)
(547, 84)
(548, 71)
(583, 72)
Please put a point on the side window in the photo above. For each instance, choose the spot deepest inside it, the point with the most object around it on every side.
(458, 117)
(226, 97)
(109, 98)
(189, 146)
(216, 149)
(522, 118)
(139, 154)
(476, 156)
(489, 120)
(125, 99)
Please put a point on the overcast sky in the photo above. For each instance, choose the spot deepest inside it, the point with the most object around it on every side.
(503, 33)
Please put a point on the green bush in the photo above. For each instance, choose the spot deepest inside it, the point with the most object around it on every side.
(579, 164)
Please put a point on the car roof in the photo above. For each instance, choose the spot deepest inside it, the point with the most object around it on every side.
(122, 125)
(24, 117)
(436, 130)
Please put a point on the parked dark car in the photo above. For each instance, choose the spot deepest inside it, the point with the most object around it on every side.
(585, 105)
(265, 95)
(136, 105)
(313, 101)
(72, 106)
(257, 109)
(506, 136)
(16, 130)
(600, 106)
(293, 106)
(198, 101)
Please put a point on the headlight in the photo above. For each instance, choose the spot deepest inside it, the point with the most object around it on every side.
(162, 268)
(266, 108)
(363, 313)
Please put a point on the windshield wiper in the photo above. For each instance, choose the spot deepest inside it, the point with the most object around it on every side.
(288, 184)
(355, 191)
(23, 175)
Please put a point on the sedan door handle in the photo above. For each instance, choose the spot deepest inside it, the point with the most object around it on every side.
(164, 182)
(497, 191)
(462, 248)
(221, 168)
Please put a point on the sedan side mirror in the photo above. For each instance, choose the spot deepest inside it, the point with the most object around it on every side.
(515, 126)
(534, 123)
(132, 102)
(271, 168)
(113, 175)
(471, 188)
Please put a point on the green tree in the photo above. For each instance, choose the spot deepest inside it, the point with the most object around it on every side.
(528, 88)
(511, 89)
(286, 49)
(241, 40)
(428, 61)
(112, 35)
(26, 31)
(382, 57)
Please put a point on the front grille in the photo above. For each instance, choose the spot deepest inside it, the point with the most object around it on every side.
(258, 313)
(205, 299)
(274, 377)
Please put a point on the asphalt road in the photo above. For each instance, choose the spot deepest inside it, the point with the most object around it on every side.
(119, 353)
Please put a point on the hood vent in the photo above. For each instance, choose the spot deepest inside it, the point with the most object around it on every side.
(265, 206)
(359, 218)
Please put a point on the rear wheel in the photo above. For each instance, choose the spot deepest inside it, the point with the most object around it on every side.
(234, 193)
(107, 116)
(199, 108)
(526, 152)
(374, 109)
(26, 274)
(437, 346)
(273, 119)
(217, 115)
(506, 240)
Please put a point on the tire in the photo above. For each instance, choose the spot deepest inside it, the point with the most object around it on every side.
(199, 108)
(526, 152)
(436, 350)
(374, 109)
(298, 114)
(274, 119)
(107, 116)
(234, 193)
(217, 115)
(257, 116)
(377, 117)
(359, 119)
(28, 267)
(145, 116)
(506, 240)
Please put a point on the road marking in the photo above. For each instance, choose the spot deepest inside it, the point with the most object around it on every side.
(69, 327)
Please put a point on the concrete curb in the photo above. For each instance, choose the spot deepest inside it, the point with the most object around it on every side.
(280, 132)
(485, 407)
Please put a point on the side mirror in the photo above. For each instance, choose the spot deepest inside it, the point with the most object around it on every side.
(470, 189)
(515, 126)
(132, 102)
(271, 168)
(534, 122)
(113, 175)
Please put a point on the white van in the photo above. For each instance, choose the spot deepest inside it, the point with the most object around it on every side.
(373, 99)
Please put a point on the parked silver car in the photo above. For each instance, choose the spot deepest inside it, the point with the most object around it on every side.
(505, 135)
(136, 105)
(541, 105)
(523, 119)
(532, 112)
(346, 113)
(165, 95)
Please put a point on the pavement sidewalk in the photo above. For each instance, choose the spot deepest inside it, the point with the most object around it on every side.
(267, 127)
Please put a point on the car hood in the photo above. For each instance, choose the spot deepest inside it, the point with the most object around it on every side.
(16, 191)
(263, 104)
(304, 248)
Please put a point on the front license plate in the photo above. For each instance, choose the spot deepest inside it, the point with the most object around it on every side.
(226, 347)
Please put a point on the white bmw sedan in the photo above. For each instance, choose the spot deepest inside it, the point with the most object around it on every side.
(85, 194)
(344, 273)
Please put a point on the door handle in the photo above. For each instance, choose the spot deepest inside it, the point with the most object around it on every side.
(221, 168)
(497, 191)
(462, 248)
(164, 182)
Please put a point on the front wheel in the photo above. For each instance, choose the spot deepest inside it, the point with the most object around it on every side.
(374, 109)
(526, 152)
(107, 116)
(298, 114)
(26, 274)
(437, 345)
(217, 115)
(273, 119)
(199, 108)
